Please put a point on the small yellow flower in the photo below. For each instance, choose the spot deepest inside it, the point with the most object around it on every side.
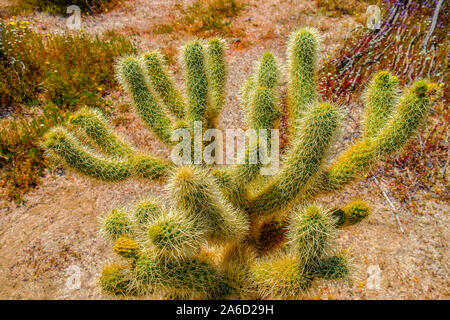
(12, 23)
(99, 88)
(365, 176)
(106, 10)
(48, 34)
(441, 84)
(46, 62)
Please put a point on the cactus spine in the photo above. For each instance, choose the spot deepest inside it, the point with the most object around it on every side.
(229, 232)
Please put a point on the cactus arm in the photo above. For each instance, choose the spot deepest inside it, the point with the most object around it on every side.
(196, 194)
(259, 102)
(302, 54)
(263, 113)
(149, 167)
(163, 84)
(310, 147)
(280, 276)
(180, 276)
(196, 81)
(262, 101)
(117, 224)
(332, 268)
(116, 280)
(217, 72)
(408, 118)
(247, 96)
(146, 212)
(174, 235)
(380, 99)
(310, 235)
(351, 165)
(402, 126)
(95, 126)
(130, 73)
(65, 146)
(234, 192)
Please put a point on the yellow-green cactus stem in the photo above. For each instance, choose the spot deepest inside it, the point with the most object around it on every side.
(350, 165)
(380, 99)
(196, 80)
(217, 72)
(175, 235)
(310, 148)
(115, 279)
(311, 233)
(233, 191)
(404, 123)
(126, 248)
(236, 262)
(180, 276)
(131, 75)
(247, 96)
(163, 85)
(96, 127)
(63, 145)
(116, 225)
(147, 211)
(195, 193)
(414, 104)
(356, 211)
(332, 268)
(150, 167)
(280, 276)
(302, 54)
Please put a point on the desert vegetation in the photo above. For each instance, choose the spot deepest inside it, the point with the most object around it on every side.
(362, 114)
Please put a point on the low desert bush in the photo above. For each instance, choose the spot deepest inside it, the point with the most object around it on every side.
(21, 158)
(65, 71)
(206, 16)
(60, 6)
(341, 7)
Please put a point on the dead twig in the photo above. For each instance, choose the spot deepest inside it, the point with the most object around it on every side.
(390, 203)
(433, 25)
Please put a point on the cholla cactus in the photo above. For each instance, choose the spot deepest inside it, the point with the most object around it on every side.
(230, 233)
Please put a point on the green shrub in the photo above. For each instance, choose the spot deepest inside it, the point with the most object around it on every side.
(21, 158)
(60, 6)
(21, 69)
(44, 77)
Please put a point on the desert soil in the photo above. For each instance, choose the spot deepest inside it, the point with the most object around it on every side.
(57, 226)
